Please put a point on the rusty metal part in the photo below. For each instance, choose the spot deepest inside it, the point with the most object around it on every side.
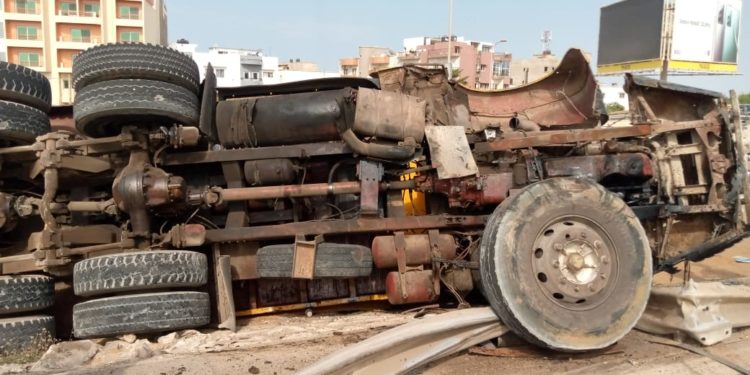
(306, 190)
(389, 115)
(413, 286)
(566, 97)
(401, 152)
(127, 191)
(140, 186)
(360, 225)
(416, 248)
(574, 263)
(487, 189)
(187, 235)
(545, 138)
(207, 120)
(301, 151)
(410, 346)
(369, 173)
(279, 120)
(450, 152)
(270, 172)
(637, 166)
(704, 311)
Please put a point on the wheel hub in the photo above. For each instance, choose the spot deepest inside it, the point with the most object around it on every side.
(572, 262)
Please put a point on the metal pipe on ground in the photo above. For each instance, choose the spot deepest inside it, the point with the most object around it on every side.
(413, 344)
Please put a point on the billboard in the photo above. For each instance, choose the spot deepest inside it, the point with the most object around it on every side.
(705, 36)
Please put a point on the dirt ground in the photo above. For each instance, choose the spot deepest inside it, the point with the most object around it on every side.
(284, 344)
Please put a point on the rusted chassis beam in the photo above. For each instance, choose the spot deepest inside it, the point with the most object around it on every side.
(361, 225)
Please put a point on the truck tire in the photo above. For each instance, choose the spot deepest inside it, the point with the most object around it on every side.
(102, 108)
(135, 60)
(25, 293)
(25, 86)
(566, 265)
(142, 270)
(141, 313)
(21, 124)
(331, 260)
(21, 333)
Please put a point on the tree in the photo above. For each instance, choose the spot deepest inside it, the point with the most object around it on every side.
(614, 107)
(456, 74)
(744, 98)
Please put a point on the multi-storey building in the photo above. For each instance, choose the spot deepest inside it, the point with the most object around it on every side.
(473, 63)
(47, 34)
(241, 67)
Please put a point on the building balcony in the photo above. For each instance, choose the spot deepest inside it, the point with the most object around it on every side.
(25, 42)
(23, 14)
(379, 60)
(349, 62)
(67, 42)
(90, 18)
(128, 22)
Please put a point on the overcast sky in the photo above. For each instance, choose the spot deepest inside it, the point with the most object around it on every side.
(323, 31)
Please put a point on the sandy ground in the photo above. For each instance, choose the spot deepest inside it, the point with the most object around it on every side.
(283, 344)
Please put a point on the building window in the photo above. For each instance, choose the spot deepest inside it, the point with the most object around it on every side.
(130, 36)
(66, 84)
(501, 68)
(80, 35)
(2, 30)
(255, 75)
(27, 33)
(91, 9)
(29, 59)
(219, 72)
(26, 6)
(247, 75)
(622, 95)
(68, 9)
(3, 56)
(457, 50)
(268, 74)
(131, 13)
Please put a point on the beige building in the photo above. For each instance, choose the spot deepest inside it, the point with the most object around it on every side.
(47, 34)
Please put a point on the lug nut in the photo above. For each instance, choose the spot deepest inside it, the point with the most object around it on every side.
(603, 276)
(558, 247)
(604, 260)
(577, 289)
(597, 244)
(591, 287)
(556, 264)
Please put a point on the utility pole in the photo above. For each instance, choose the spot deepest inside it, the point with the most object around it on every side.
(668, 22)
(450, 38)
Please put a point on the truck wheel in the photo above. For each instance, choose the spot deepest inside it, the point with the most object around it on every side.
(139, 271)
(331, 260)
(25, 86)
(25, 332)
(21, 124)
(135, 60)
(141, 313)
(102, 108)
(25, 293)
(566, 265)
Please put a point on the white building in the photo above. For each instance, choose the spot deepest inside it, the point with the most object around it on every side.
(241, 67)
(614, 93)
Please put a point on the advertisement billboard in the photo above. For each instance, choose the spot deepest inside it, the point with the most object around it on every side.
(699, 36)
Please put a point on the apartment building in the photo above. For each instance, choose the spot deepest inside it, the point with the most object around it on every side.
(474, 63)
(47, 34)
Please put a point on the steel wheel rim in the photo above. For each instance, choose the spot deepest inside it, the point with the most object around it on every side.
(574, 262)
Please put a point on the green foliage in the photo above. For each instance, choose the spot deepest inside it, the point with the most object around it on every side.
(744, 98)
(456, 74)
(614, 107)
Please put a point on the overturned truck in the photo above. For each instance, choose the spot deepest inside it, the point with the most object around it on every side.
(174, 199)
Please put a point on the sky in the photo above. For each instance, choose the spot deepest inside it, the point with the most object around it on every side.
(323, 31)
